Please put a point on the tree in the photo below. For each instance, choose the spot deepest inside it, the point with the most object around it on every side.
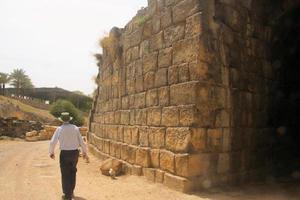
(4, 79)
(20, 80)
(66, 106)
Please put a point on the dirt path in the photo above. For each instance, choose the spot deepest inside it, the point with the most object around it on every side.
(27, 173)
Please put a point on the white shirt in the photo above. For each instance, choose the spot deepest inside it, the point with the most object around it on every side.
(69, 138)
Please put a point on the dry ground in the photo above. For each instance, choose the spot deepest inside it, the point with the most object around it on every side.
(26, 173)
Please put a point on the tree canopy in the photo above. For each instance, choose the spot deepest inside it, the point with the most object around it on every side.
(20, 80)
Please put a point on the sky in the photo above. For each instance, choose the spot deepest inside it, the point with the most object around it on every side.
(54, 40)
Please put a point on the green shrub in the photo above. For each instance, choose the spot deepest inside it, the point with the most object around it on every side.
(66, 106)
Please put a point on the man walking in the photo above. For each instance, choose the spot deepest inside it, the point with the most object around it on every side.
(70, 140)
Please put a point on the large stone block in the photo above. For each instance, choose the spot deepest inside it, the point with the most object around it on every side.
(124, 152)
(173, 76)
(140, 100)
(143, 157)
(141, 116)
(178, 183)
(178, 139)
(165, 57)
(154, 158)
(223, 163)
(183, 73)
(191, 165)
(161, 77)
(156, 137)
(167, 161)
(157, 41)
(127, 135)
(144, 137)
(166, 18)
(198, 139)
(184, 9)
(132, 154)
(198, 71)
(150, 62)
(214, 139)
(194, 25)
(149, 80)
(184, 93)
(173, 34)
(151, 98)
(125, 117)
(149, 173)
(159, 176)
(164, 96)
(187, 115)
(186, 50)
(170, 116)
(139, 83)
(154, 116)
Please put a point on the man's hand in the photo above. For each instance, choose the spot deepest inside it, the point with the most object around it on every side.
(52, 156)
(85, 156)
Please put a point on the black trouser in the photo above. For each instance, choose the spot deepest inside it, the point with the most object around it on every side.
(68, 161)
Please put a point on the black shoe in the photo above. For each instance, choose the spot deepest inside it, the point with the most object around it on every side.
(65, 197)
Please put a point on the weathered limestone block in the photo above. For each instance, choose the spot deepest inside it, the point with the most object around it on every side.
(144, 137)
(150, 62)
(173, 34)
(125, 102)
(177, 183)
(173, 76)
(156, 137)
(223, 163)
(141, 116)
(198, 71)
(184, 9)
(140, 100)
(127, 135)
(149, 173)
(139, 83)
(154, 158)
(198, 139)
(161, 77)
(165, 57)
(183, 93)
(132, 151)
(164, 96)
(151, 98)
(157, 41)
(187, 115)
(186, 50)
(170, 116)
(194, 25)
(178, 139)
(166, 18)
(124, 152)
(107, 146)
(132, 117)
(125, 117)
(214, 139)
(154, 116)
(189, 165)
(137, 170)
(167, 161)
(159, 178)
(143, 157)
(155, 24)
(149, 80)
(184, 74)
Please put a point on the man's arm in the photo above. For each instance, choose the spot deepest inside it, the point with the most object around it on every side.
(81, 143)
(53, 142)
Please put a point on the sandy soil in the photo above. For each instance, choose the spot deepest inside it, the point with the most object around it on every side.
(26, 173)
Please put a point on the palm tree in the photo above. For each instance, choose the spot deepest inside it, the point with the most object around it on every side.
(20, 80)
(4, 79)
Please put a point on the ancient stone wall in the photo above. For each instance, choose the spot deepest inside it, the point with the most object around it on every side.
(184, 92)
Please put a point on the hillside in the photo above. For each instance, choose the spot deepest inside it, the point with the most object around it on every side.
(14, 108)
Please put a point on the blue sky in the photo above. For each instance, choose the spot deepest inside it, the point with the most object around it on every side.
(54, 40)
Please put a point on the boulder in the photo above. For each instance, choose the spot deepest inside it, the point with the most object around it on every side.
(109, 164)
(31, 134)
